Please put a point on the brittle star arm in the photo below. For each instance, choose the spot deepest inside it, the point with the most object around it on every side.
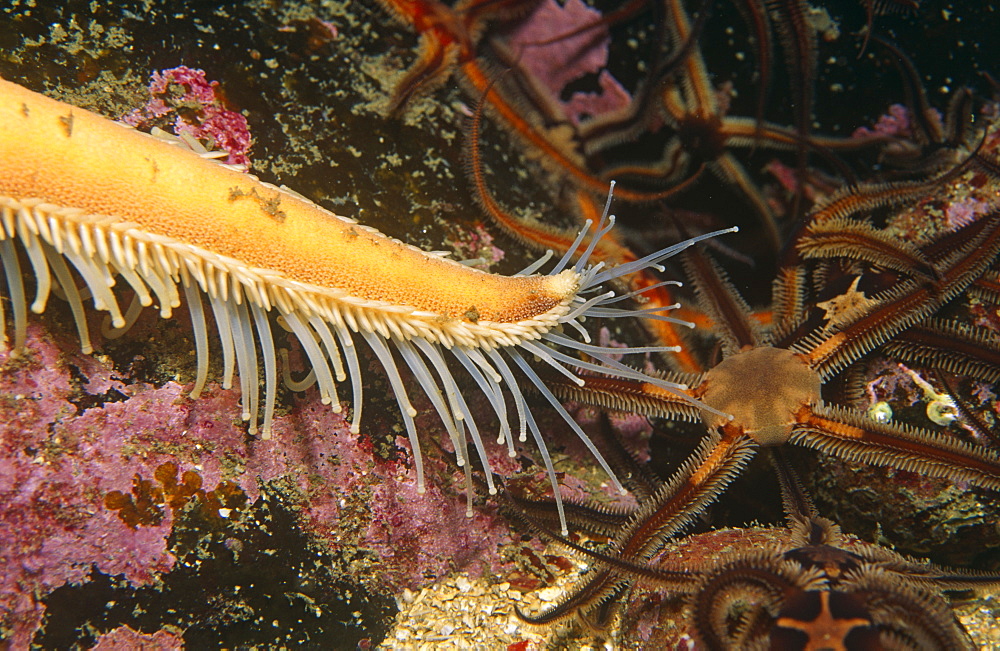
(601, 585)
(851, 435)
(541, 516)
(759, 578)
(479, 82)
(810, 529)
(722, 303)
(911, 302)
(448, 36)
(948, 346)
(630, 396)
(698, 481)
(693, 98)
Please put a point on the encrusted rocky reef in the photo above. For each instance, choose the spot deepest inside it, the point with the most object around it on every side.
(132, 514)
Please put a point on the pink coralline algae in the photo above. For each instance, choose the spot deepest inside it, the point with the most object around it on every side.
(419, 535)
(556, 62)
(475, 243)
(97, 466)
(124, 638)
(53, 528)
(897, 123)
(963, 213)
(894, 123)
(198, 110)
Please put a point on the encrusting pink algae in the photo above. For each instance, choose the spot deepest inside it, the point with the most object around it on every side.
(188, 103)
(60, 460)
